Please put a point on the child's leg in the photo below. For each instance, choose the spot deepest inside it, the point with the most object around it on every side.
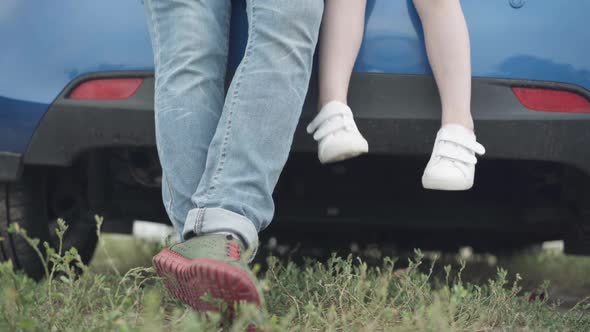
(453, 159)
(340, 40)
(447, 44)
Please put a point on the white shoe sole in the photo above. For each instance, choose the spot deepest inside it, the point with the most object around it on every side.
(343, 148)
(445, 184)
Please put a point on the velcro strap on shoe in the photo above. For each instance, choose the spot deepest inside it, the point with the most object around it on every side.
(463, 141)
(458, 153)
(333, 126)
(328, 112)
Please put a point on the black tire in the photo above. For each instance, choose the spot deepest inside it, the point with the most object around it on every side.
(25, 203)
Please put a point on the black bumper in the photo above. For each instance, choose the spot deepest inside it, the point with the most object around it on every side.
(398, 114)
(10, 166)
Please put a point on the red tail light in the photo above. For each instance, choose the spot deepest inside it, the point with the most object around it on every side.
(107, 89)
(547, 100)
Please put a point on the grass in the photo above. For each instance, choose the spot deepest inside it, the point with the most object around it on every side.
(342, 294)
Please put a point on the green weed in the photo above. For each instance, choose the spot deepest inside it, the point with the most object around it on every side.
(342, 294)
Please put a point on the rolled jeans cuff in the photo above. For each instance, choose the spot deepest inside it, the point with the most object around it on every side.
(212, 220)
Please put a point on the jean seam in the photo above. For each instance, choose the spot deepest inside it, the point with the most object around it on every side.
(198, 228)
(234, 100)
(157, 56)
(157, 48)
(156, 29)
(171, 203)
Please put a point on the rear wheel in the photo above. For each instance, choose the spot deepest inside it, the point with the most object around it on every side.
(35, 207)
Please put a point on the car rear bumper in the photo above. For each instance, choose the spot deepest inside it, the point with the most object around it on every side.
(10, 166)
(398, 114)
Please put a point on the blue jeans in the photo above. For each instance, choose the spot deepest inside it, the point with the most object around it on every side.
(222, 155)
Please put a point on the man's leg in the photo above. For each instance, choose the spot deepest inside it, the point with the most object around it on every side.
(190, 43)
(261, 111)
(249, 149)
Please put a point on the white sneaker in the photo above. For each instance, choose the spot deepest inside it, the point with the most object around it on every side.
(452, 164)
(337, 134)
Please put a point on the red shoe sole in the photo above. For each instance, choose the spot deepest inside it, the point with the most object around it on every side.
(190, 279)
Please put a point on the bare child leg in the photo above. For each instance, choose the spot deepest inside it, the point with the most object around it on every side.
(447, 44)
(452, 165)
(340, 40)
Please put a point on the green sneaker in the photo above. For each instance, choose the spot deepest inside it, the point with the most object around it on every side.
(210, 264)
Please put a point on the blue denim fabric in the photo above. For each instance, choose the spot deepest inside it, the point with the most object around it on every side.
(222, 155)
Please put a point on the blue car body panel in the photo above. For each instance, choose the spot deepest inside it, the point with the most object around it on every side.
(46, 45)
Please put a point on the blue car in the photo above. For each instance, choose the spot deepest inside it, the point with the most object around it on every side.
(77, 130)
